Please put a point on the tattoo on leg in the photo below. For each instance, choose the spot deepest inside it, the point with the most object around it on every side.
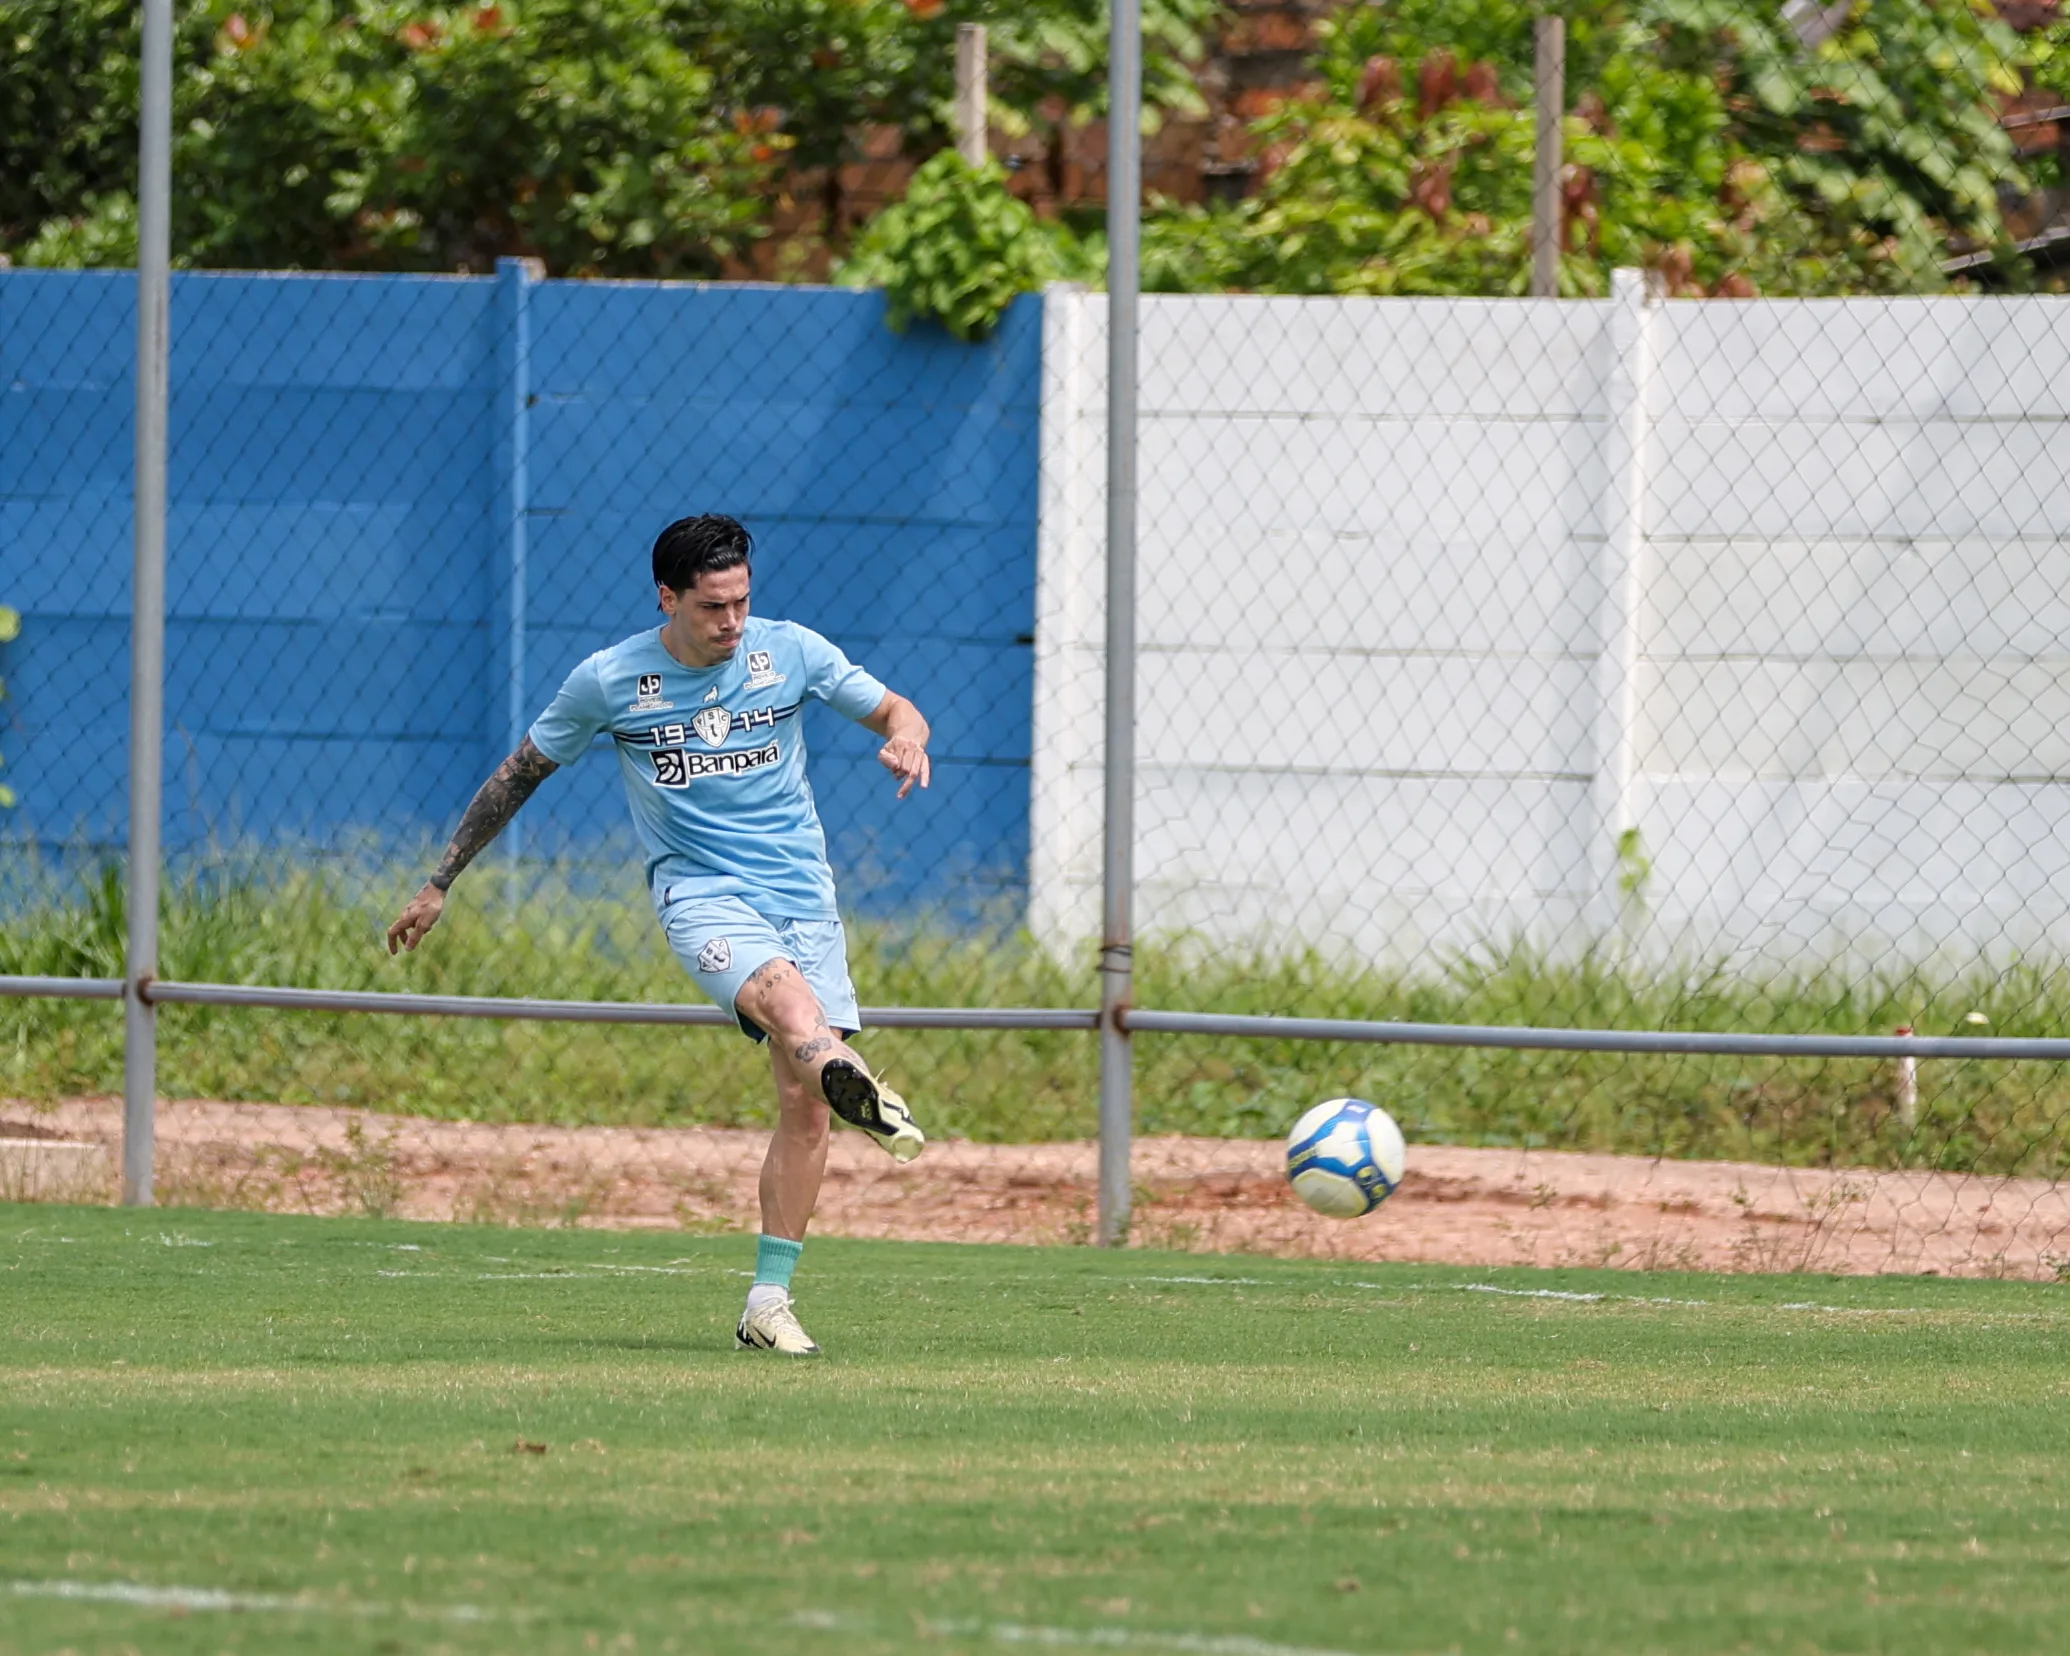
(766, 973)
(813, 1048)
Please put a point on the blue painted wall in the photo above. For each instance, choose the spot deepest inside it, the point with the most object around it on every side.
(341, 538)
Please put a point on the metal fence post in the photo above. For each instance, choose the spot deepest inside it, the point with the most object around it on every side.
(1117, 987)
(147, 597)
(510, 714)
(1632, 296)
(1550, 91)
(1907, 1086)
(971, 137)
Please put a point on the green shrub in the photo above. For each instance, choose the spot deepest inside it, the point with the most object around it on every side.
(958, 248)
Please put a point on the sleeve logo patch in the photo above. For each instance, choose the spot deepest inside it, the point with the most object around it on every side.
(762, 671)
(678, 767)
(716, 955)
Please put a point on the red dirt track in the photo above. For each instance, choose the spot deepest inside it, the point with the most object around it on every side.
(1466, 1207)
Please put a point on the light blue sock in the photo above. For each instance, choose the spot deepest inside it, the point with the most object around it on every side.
(775, 1260)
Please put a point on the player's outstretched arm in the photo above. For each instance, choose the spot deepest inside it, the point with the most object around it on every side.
(494, 804)
(905, 734)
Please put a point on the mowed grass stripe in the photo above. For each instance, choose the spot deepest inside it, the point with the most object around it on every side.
(1088, 1445)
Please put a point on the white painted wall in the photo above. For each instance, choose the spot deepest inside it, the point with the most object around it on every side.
(1396, 563)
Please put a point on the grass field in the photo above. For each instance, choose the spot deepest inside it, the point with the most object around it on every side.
(322, 927)
(350, 1436)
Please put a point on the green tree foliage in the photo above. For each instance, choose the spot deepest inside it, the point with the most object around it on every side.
(68, 90)
(573, 129)
(834, 66)
(1706, 141)
(655, 137)
(618, 137)
(368, 134)
(958, 248)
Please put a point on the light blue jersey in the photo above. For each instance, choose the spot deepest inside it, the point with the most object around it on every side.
(714, 760)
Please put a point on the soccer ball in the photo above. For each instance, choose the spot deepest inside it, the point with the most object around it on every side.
(1344, 1157)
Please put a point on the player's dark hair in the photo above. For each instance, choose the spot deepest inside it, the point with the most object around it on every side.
(695, 546)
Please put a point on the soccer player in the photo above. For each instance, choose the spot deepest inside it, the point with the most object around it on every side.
(704, 712)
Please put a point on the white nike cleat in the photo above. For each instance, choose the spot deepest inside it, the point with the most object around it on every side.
(861, 1100)
(774, 1327)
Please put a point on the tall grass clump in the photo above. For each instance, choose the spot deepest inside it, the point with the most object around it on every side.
(321, 926)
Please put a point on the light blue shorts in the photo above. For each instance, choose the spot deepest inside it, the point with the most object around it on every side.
(723, 941)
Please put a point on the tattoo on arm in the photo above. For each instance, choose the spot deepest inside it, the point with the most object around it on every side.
(494, 804)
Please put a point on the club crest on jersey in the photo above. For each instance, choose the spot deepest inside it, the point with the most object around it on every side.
(713, 724)
(762, 671)
(716, 955)
(647, 694)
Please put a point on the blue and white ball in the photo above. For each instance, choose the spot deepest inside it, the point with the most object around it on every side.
(1344, 1157)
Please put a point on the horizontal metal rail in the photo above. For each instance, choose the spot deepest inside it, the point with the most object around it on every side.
(1142, 1021)
(62, 988)
(606, 1012)
(1693, 1043)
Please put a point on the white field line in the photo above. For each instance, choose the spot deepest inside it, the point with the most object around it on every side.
(1573, 1297)
(1205, 1644)
(1893, 1310)
(1562, 1294)
(590, 1270)
(660, 1270)
(212, 1598)
(587, 1271)
(1569, 1295)
(1466, 1288)
(1646, 1299)
(1111, 1638)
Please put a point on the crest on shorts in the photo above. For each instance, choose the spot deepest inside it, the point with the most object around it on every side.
(714, 724)
(716, 955)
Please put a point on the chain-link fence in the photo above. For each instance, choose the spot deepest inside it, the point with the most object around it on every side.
(401, 511)
(1627, 664)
